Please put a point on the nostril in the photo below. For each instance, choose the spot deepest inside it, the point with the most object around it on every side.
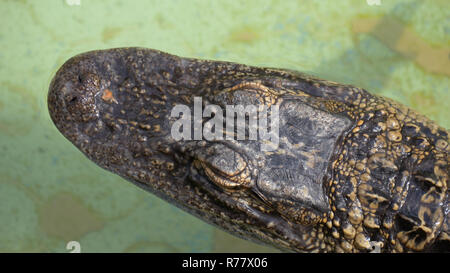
(87, 78)
(71, 98)
(88, 81)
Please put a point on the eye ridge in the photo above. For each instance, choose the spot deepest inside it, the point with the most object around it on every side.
(218, 177)
(230, 182)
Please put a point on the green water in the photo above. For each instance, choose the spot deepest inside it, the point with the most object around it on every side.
(51, 194)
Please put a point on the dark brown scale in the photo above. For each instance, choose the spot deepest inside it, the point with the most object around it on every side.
(351, 172)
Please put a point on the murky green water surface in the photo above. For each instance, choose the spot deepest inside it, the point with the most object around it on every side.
(51, 194)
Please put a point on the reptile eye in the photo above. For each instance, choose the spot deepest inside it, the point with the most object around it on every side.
(224, 167)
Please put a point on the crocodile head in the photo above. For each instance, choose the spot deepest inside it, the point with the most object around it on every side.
(269, 155)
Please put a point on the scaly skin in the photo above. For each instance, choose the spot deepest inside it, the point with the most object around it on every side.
(353, 172)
